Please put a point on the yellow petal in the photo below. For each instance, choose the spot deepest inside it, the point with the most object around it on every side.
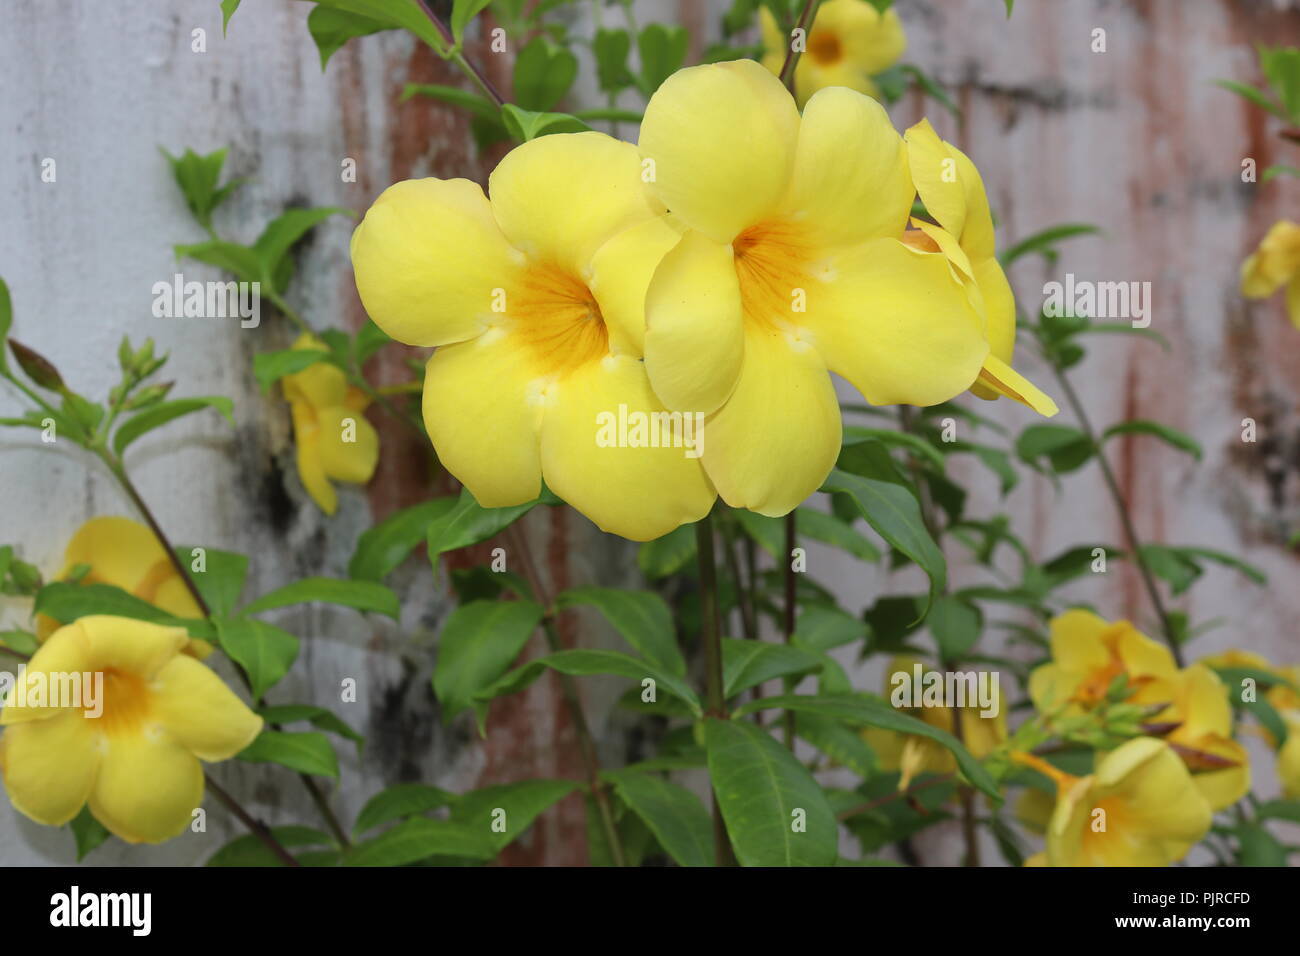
(1222, 788)
(1276, 261)
(483, 412)
(621, 273)
(174, 597)
(1002, 379)
(66, 651)
(1293, 301)
(49, 766)
(869, 40)
(306, 437)
(1288, 762)
(1076, 639)
(783, 411)
(427, 256)
(321, 384)
(1034, 810)
(120, 552)
(1202, 703)
(1159, 799)
(348, 445)
(130, 646)
(639, 493)
(694, 341)
(722, 138)
(147, 787)
(560, 198)
(896, 324)
(1143, 657)
(951, 189)
(850, 180)
(200, 712)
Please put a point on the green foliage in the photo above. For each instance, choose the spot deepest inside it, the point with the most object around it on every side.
(308, 753)
(479, 641)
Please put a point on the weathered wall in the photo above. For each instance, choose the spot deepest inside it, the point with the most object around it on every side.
(1136, 140)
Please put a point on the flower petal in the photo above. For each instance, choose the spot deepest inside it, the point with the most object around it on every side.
(427, 257)
(127, 645)
(851, 179)
(722, 138)
(197, 709)
(640, 493)
(694, 340)
(1160, 800)
(952, 190)
(482, 407)
(559, 198)
(147, 787)
(896, 324)
(871, 41)
(342, 459)
(66, 651)
(621, 273)
(999, 378)
(321, 384)
(776, 439)
(306, 439)
(49, 766)
(120, 552)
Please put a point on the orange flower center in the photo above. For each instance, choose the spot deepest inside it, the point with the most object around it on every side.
(126, 702)
(825, 48)
(772, 268)
(1102, 830)
(559, 319)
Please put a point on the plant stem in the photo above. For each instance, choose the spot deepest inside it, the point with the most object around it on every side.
(586, 742)
(791, 590)
(805, 22)
(259, 830)
(711, 638)
(1126, 519)
(469, 69)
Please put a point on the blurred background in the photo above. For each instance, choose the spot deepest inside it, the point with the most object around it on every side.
(1136, 140)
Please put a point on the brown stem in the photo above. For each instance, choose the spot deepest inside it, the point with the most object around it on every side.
(469, 69)
(711, 639)
(1126, 519)
(787, 624)
(806, 16)
(259, 830)
(896, 795)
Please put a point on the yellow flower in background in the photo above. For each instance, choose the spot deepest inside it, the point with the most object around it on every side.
(1139, 807)
(1236, 657)
(912, 755)
(128, 555)
(535, 300)
(953, 193)
(1203, 739)
(1285, 699)
(1088, 653)
(334, 440)
(1288, 758)
(850, 42)
(790, 267)
(1274, 264)
(133, 754)
(1285, 696)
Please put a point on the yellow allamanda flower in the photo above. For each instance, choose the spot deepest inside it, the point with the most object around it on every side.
(134, 754)
(953, 193)
(1285, 699)
(1088, 653)
(790, 267)
(1138, 808)
(334, 440)
(912, 755)
(850, 42)
(1203, 738)
(1288, 758)
(1274, 264)
(535, 300)
(128, 555)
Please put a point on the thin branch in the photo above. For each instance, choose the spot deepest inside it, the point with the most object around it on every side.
(259, 830)
(805, 22)
(469, 69)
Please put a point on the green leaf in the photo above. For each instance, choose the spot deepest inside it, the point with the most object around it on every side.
(418, 838)
(747, 663)
(197, 177)
(543, 74)
(581, 663)
(270, 367)
(88, 832)
(397, 802)
(932, 89)
(667, 555)
(332, 28)
(316, 716)
(478, 105)
(612, 114)
(479, 642)
(846, 747)
(6, 317)
(1064, 446)
(1225, 559)
(892, 511)
(37, 367)
(362, 595)
(761, 789)
(468, 523)
(829, 529)
(525, 125)
(1276, 170)
(282, 233)
(821, 628)
(663, 51)
(309, 753)
(1279, 810)
(228, 8)
(1044, 242)
(382, 548)
(642, 617)
(65, 602)
(159, 415)
(481, 810)
(248, 850)
(1257, 847)
(866, 711)
(956, 626)
(1010, 6)
(264, 651)
(462, 12)
(674, 815)
(767, 532)
(1171, 436)
(222, 579)
(23, 642)
(1256, 96)
(611, 48)
(240, 261)
(1168, 565)
(405, 14)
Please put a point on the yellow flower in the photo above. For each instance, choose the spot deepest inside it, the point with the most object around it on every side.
(334, 440)
(127, 555)
(1285, 696)
(1138, 808)
(1220, 766)
(535, 299)
(850, 42)
(790, 267)
(133, 753)
(1236, 657)
(1288, 759)
(1088, 653)
(953, 193)
(913, 755)
(1275, 263)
